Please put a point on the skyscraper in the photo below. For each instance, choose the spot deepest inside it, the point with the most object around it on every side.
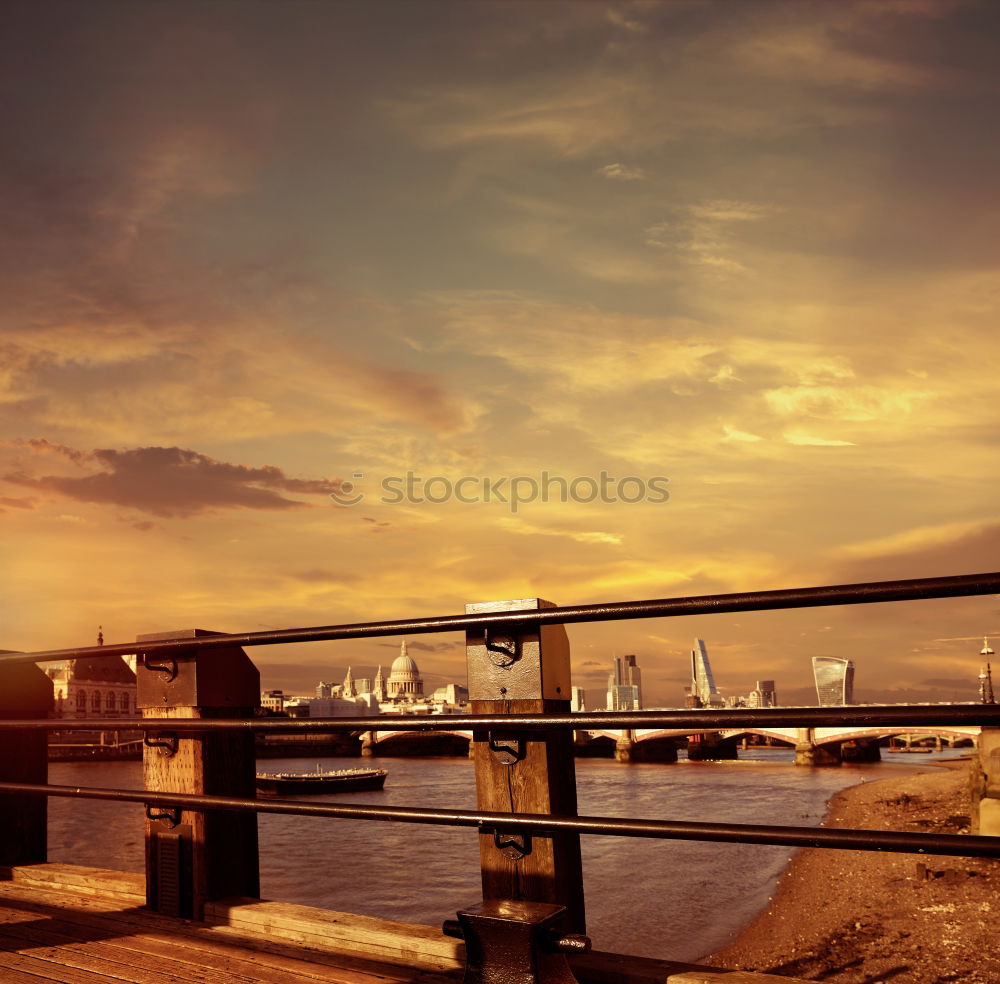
(834, 680)
(763, 695)
(703, 688)
(625, 685)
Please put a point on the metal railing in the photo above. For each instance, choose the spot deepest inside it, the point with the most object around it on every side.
(538, 724)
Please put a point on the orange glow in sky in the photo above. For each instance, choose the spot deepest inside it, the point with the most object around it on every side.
(748, 250)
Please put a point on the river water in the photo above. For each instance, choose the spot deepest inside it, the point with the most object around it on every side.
(676, 900)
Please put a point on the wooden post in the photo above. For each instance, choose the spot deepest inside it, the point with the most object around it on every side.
(25, 692)
(985, 770)
(515, 672)
(195, 856)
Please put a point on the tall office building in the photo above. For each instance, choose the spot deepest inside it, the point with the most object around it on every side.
(763, 695)
(834, 680)
(625, 685)
(703, 692)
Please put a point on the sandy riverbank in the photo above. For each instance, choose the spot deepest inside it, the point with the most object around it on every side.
(851, 917)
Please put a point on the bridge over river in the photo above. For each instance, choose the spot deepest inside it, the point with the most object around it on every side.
(813, 746)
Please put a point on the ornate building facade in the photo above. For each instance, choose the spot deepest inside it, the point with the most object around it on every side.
(94, 687)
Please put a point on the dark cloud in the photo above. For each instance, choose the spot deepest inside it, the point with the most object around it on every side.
(173, 482)
(17, 503)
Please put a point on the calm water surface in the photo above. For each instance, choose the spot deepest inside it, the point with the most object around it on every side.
(672, 899)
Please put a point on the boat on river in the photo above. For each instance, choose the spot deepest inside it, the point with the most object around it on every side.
(334, 781)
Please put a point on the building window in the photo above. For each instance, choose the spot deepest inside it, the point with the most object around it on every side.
(124, 703)
(109, 701)
(95, 701)
(81, 701)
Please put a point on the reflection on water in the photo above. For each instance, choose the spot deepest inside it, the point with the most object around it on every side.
(670, 899)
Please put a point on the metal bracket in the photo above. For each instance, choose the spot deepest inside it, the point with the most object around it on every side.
(514, 942)
(502, 649)
(507, 751)
(512, 845)
(166, 743)
(168, 666)
(170, 816)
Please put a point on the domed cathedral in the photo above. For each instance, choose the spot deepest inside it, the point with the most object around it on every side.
(404, 678)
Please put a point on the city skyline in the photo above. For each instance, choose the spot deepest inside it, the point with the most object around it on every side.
(724, 273)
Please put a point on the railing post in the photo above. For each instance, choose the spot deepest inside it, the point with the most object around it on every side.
(515, 671)
(194, 856)
(25, 693)
(986, 785)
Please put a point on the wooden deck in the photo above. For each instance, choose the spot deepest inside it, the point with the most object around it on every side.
(77, 925)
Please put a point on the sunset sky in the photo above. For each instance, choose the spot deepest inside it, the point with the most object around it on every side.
(747, 249)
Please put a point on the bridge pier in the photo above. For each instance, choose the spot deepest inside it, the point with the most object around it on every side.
(368, 745)
(807, 752)
(627, 749)
(861, 750)
(711, 747)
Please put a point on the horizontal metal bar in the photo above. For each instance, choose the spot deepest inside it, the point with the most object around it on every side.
(841, 594)
(882, 715)
(545, 825)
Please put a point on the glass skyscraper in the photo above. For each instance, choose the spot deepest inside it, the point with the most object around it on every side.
(702, 682)
(834, 680)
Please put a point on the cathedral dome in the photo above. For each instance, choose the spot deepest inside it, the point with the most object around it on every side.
(404, 677)
(404, 664)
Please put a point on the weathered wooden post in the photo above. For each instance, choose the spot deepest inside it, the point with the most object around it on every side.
(193, 856)
(25, 693)
(513, 671)
(986, 784)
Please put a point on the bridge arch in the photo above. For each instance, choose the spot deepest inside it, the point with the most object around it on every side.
(423, 743)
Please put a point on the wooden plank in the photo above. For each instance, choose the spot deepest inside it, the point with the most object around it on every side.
(123, 885)
(98, 958)
(213, 960)
(64, 937)
(33, 969)
(323, 964)
(382, 939)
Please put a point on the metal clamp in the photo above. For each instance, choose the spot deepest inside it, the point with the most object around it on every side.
(507, 751)
(502, 649)
(512, 845)
(170, 816)
(168, 666)
(166, 743)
